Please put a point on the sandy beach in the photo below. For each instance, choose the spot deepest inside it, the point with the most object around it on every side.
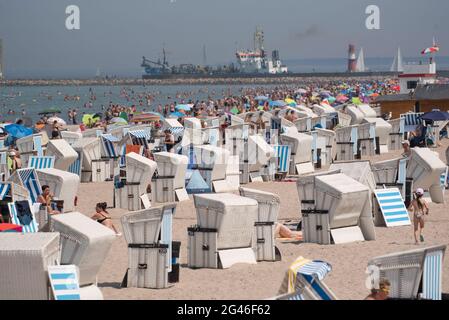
(263, 280)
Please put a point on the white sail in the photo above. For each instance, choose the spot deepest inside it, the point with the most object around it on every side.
(397, 65)
(360, 67)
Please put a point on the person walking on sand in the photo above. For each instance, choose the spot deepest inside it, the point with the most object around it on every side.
(418, 207)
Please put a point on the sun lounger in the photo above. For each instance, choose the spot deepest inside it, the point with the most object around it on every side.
(24, 259)
(225, 225)
(413, 273)
(304, 281)
(84, 242)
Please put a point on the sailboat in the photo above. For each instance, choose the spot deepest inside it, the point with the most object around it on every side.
(360, 66)
(397, 65)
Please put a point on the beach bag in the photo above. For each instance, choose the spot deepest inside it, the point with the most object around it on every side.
(24, 212)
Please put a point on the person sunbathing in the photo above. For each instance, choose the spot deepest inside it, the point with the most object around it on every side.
(46, 199)
(102, 216)
(284, 232)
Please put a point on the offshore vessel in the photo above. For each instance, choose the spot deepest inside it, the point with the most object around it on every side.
(248, 62)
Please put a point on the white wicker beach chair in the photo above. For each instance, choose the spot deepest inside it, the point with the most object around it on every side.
(409, 271)
(84, 242)
(24, 259)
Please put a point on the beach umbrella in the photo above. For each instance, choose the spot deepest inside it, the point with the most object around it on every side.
(58, 120)
(331, 99)
(49, 111)
(234, 110)
(124, 115)
(278, 103)
(185, 107)
(301, 91)
(145, 117)
(261, 98)
(342, 98)
(290, 101)
(88, 119)
(356, 101)
(435, 115)
(18, 131)
(260, 108)
(119, 121)
(177, 114)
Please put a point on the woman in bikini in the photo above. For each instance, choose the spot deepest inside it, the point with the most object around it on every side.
(103, 217)
(418, 207)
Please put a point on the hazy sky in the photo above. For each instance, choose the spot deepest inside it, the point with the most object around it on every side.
(115, 34)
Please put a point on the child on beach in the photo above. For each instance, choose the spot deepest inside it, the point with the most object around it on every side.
(103, 217)
(418, 207)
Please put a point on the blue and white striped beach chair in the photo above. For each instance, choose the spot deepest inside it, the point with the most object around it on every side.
(122, 162)
(44, 162)
(282, 153)
(37, 141)
(306, 282)
(309, 281)
(30, 181)
(214, 135)
(109, 145)
(411, 121)
(64, 282)
(4, 190)
(444, 179)
(140, 137)
(433, 275)
(30, 227)
(177, 132)
(392, 207)
(167, 231)
(76, 166)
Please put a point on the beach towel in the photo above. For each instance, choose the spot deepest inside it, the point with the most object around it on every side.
(133, 148)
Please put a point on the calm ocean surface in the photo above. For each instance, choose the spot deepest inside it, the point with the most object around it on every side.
(32, 100)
